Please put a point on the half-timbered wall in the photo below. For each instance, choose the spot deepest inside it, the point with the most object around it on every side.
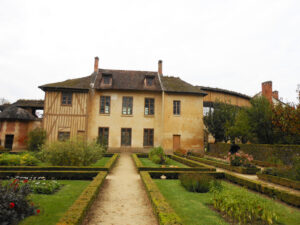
(228, 98)
(58, 117)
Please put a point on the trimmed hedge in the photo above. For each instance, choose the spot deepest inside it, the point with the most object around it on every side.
(161, 208)
(175, 174)
(76, 213)
(279, 180)
(191, 162)
(62, 175)
(238, 169)
(283, 195)
(107, 166)
(141, 167)
(260, 152)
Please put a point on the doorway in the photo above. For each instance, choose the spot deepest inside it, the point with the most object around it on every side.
(9, 140)
(176, 142)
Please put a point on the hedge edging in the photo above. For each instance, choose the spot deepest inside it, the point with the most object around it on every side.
(191, 162)
(77, 212)
(161, 208)
(106, 167)
(140, 167)
(285, 196)
(64, 175)
(279, 180)
(238, 169)
(175, 174)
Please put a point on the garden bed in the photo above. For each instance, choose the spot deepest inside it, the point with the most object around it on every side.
(279, 180)
(196, 208)
(144, 164)
(104, 164)
(238, 169)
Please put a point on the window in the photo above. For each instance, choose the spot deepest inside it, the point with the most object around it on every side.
(126, 137)
(149, 106)
(104, 104)
(63, 135)
(103, 135)
(107, 79)
(149, 81)
(127, 106)
(148, 137)
(176, 107)
(66, 98)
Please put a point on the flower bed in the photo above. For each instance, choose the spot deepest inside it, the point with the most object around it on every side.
(279, 180)
(238, 169)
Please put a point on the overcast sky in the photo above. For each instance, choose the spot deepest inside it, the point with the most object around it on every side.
(235, 45)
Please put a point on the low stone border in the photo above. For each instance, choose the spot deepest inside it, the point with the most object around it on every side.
(285, 196)
(107, 166)
(238, 169)
(279, 180)
(76, 213)
(161, 208)
(198, 167)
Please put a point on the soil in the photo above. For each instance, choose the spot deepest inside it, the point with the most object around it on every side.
(123, 199)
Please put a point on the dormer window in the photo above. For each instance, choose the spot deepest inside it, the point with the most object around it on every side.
(149, 81)
(106, 79)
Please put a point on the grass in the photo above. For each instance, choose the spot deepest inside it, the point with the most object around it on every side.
(193, 209)
(54, 206)
(147, 162)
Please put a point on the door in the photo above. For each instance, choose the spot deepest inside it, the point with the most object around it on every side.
(9, 140)
(176, 142)
(126, 137)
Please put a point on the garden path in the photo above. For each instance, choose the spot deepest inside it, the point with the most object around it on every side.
(123, 199)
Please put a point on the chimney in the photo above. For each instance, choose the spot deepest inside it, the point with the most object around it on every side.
(266, 90)
(160, 67)
(275, 95)
(96, 64)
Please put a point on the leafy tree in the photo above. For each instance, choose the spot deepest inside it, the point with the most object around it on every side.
(241, 128)
(286, 123)
(260, 118)
(36, 138)
(219, 119)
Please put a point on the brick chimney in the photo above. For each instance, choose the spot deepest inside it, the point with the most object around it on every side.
(160, 67)
(266, 90)
(275, 95)
(96, 64)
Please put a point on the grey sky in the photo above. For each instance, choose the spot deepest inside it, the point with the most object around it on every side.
(229, 44)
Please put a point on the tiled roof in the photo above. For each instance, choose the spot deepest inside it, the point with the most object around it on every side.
(126, 80)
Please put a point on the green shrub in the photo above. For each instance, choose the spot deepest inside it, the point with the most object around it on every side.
(10, 160)
(18, 160)
(36, 139)
(196, 182)
(158, 156)
(74, 152)
(292, 173)
(243, 208)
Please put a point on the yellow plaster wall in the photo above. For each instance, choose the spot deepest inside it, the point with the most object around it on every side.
(115, 120)
(232, 99)
(189, 125)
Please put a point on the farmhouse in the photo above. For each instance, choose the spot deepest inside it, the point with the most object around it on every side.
(126, 109)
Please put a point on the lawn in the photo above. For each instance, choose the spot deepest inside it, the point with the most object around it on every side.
(54, 206)
(147, 162)
(193, 209)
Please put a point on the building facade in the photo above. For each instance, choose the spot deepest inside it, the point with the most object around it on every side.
(126, 110)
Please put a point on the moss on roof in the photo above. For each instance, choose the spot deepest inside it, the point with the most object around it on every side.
(16, 113)
(78, 83)
(175, 84)
(224, 91)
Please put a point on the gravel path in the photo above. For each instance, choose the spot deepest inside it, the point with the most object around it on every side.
(122, 200)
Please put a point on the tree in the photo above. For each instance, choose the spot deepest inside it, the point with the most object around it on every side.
(3, 101)
(241, 128)
(260, 118)
(36, 139)
(286, 123)
(219, 119)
